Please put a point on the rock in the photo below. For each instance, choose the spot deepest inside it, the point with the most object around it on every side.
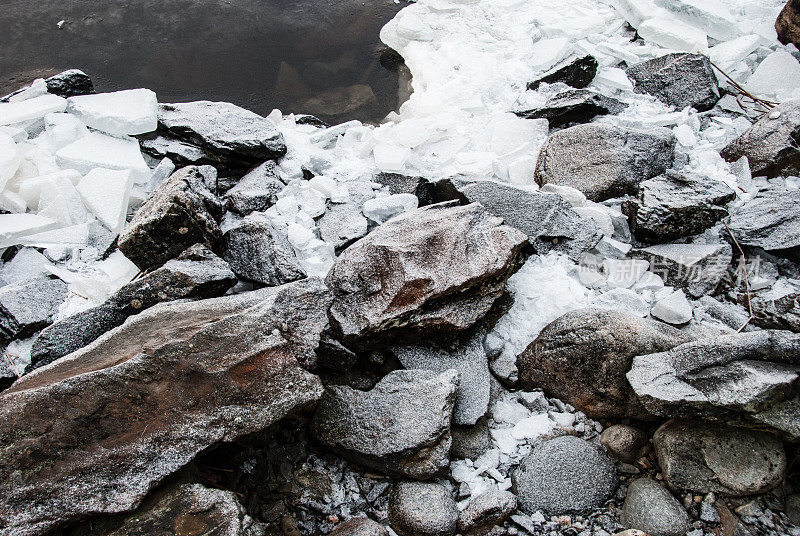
(256, 251)
(197, 273)
(713, 458)
(770, 144)
(404, 184)
(359, 526)
(258, 190)
(695, 268)
(332, 355)
(582, 358)
(746, 379)
(342, 224)
(438, 269)
(604, 161)
(470, 441)
(574, 106)
(651, 508)
(147, 397)
(575, 72)
(9, 371)
(469, 359)
(564, 475)
(788, 23)
(673, 308)
(486, 510)
(776, 313)
(675, 205)
(28, 307)
(401, 427)
(680, 80)
(793, 508)
(625, 443)
(70, 84)
(180, 213)
(769, 220)
(422, 509)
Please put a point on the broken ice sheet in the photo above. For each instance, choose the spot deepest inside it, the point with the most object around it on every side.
(777, 76)
(381, 209)
(9, 158)
(74, 236)
(106, 192)
(36, 108)
(121, 113)
(31, 189)
(63, 129)
(710, 15)
(547, 52)
(13, 227)
(673, 34)
(100, 151)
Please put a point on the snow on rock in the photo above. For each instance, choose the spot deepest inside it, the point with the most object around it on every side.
(121, 113)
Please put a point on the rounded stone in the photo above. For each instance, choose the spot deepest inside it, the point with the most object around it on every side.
(624, 443)
(652, 509)
(422, 509)
(486, 510)
(359, 526)
(564, 475)
(793, 508)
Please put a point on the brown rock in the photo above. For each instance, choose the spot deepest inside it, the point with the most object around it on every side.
(624, 443)
(359, 526)
(788, 23)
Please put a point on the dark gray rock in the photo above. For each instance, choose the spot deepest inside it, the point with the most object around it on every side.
(679, 79)
(422, 509)
(485, 511)
(333, 355)
(770, 220)
(359, 526)
(776, 313)
(676, 205)
(712, 458)
(695, 268)
(748, 379)
(470, 441)
(793, 508)
(575, 72)
(770, 145)
(258, 190)
(624, 443)
(180, 213)
(180, 152)
(401, 427)
(582, 358)
(604, 161)
(197, 273)
(438, 269)
(405, 184)
(564, 475)
(94, 432)
(256, 251)
(651, 508)
(28, 307)
(574, 106)
(70, 83)
(9, 372)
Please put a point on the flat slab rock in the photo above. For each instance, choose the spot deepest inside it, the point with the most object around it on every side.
(258, 190)
(770, 220)
(93, 433)
(695, 268)
(678, 79)
(435, 269)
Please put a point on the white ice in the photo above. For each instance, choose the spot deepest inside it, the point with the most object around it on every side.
(99, 150)
(121, 113)
(36, 108)
(106, 193)
(13, 227)
(381, 209)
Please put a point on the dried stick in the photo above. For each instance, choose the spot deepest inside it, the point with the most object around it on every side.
(768, 104)
(746, 277)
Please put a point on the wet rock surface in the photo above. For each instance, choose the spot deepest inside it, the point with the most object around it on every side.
(577, 72)
(679, 80)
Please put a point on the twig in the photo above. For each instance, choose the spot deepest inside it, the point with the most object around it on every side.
(11, 362)
(746, 277)
(768, 104)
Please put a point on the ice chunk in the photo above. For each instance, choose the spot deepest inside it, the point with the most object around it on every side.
(36, 89)
(302, 196)
(710, 15)
(635, 11)
(17, 134)
(27, 264)
(685, 135)
(9, 158)
(673, 34)
(74, 236)
(673, 309)
(778, 75)
(548, 52)
(98, 150)
(533, 427)
(63, 129)
(31, 189)
(161, 173)
(36, 108)
(729, 53)
(121, 113)
(390, 158)
(12, 202)
(60, 201)
(573, 196)
(381, 209)
(106, 193)
(624, 273)
(15, 226)
(612, 80)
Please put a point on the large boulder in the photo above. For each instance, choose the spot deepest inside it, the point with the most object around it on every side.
(359, 526)
(604, 161)
(422, 509)
(744, 378)
(770, 145)
(650, 508)
(680, 80)
(94, 432)
(180, 213)
(29, 306)
(713, 458)
(257, 251)
(432, 270)
(775, 312)
(70, 83)
(401, 427)
(770, 220)
(574, 106)
(582, 358)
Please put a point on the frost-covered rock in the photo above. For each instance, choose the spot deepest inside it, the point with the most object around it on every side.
(28, 307)
(121, 113)
(70, 83)
(575, 72)
(769, 220)
(359, 526)
(256, 191)
(679, 80)
(650, 508)
(695, 268)
(486, 510)
(422, 509)
(257, 251)
(574, 106)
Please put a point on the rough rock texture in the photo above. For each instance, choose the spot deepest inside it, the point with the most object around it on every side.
(651, 508)
(404, 184)
(703, 458)
(564, 475)
(604, 161)
(574, 106)
(676, 205)
(770, 145)
(770, 220)
(679, 79)
(258, 190)
(196, 273)
(401, 427)
(793, 508)
(745, 378)
(435, 269)
(8, 371)
(422, 509)
(28, 307)
(778, 313)
(92, 433)
(470, 441)
(359, 526)
(788, 23)
(624, 443)
(256, 251)
(486, 510)
(70, 83)
(179, 213)
(575, 72)
(582, 358)
(695, 268)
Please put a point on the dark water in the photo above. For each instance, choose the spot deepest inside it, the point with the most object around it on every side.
(305, 56)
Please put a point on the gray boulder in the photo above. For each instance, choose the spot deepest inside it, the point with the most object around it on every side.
(695, 268)
(770, 220)
(10, 371)
(28, 307)
(438, 269)
(676, 205)
(745, 378)
(776, 312)
(651, 508)
(713, 458)
(604, 161)
(624, 443)
(564, 475)
(575, 72)
(401, 427)
(359, 526)
(574, 106)
(196, 274)
(256, 251)
(793, 508)
(582, 358)
(470, 441)
(258, 190)
(679, 79)
(344, 223)
(770, 145)
(422, 509)
(485, 511)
